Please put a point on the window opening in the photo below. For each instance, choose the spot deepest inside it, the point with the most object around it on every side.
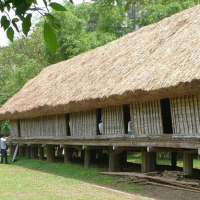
(166, 116)
(18, 128)
(68, 132)
(99, 120)
(127, 117)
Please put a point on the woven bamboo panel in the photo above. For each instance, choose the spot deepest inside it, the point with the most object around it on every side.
(146, 118)
(185, 114)
(83, 123)
(45, 126)
(13, 128)
(112, 119)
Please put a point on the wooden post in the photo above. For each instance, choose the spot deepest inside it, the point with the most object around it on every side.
(12, 149)
(41, 153)
(87, 158)
(50, 153)
(115, 161)
(148, 161)
(22, 150)
(66, 154)
(34, 152)
(187, 163)
(28, 151)
(174, 160)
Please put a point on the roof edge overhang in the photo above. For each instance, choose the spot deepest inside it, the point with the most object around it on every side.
(137, 96)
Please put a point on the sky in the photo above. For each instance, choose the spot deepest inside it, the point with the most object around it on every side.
(3, 38)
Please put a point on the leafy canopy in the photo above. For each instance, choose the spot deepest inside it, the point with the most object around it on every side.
(23, 12)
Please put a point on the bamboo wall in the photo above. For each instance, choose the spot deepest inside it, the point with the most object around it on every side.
(185, 115)
(14, 128)
(45, 126)
(112, 119)
(146, 118)
(83, 123)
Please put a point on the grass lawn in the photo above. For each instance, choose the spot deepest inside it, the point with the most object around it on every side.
(34, 179)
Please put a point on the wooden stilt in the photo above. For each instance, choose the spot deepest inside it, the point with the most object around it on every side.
(174, 159)
(187, 163)
(87, 158)
(66, 154)
(115, 161)
(50, 153)
(148, 161)
(12, 149)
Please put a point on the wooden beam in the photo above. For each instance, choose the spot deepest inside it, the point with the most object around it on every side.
(115, 152)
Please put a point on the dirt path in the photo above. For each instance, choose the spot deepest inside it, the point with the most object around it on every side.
(166, 193)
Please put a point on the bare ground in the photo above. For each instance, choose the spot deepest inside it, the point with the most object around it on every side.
(166, 193)
(160, 192)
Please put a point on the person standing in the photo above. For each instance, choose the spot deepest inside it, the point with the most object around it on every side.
(129, 128)
(3, 149)
(101, 127)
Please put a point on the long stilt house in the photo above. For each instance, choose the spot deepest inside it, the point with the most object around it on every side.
(150, 77)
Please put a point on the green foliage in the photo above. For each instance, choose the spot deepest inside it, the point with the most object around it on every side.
(50, 37)
(152, 11)
(85, 27)
(10, 33)
(23, 10)
(5, 127)
(57, 6)
(19, 62)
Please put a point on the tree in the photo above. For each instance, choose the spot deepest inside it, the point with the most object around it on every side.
(23, 10)
(84, 28)
(152, 11)
(21, 60)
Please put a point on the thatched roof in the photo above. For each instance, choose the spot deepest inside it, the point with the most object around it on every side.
(154, 62)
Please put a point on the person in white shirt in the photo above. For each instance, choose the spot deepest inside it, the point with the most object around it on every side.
(3, 149)
(101, 127)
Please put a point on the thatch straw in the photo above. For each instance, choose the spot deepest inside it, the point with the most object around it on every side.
(154, 62)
